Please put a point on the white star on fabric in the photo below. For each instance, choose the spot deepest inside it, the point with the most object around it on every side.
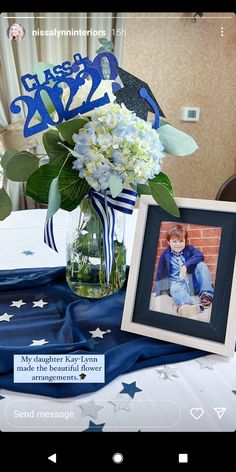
(97, 333)
(90, 409)
(206, 363)
(39, 304)
(6, 317)
(168, 372)
(39, 342)
(17, 303)
(120, 403)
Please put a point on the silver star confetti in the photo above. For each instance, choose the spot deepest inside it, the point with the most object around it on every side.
(38, 342)
(17, 303)
(90, 409)
(206, 363)
(28, 253)
(120, 403)
(6, 317)
(39, 304)
(97, 333)
(168, 372)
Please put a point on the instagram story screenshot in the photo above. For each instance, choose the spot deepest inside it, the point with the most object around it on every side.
(118, 234)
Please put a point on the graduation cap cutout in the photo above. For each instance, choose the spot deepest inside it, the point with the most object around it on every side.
(137, 96)
(82, 376)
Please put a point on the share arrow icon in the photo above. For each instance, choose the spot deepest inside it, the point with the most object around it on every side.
(220, 412)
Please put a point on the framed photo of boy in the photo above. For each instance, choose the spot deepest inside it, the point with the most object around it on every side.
(182, 279)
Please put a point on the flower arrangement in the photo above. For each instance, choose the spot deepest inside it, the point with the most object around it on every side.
(105, 147)
(97, 154)
(116, 143)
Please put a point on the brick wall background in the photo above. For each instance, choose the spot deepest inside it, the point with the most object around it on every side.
(205, 238)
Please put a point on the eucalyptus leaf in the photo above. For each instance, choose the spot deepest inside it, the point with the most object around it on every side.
(68, 128)
(164, 198)
(162, 122)
(5, 204)
(54, 198)
(106, 45)
(115, 185)
(101, 49)
(109, 46)
(103, 41)
(176, 142)
(7, 156)
(21, 166)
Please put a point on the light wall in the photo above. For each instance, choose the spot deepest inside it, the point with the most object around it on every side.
(189, 63)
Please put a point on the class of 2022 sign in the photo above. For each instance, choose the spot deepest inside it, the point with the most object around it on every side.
(59, 74)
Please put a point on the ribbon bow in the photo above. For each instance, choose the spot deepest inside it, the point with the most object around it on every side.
(104, 206)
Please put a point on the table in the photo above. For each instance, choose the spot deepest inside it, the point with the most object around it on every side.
(179, 397)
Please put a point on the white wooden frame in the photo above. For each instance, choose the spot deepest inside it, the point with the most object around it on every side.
(226, 348)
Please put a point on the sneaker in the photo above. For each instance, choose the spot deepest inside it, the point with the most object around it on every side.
(206, 299)
(188, 310)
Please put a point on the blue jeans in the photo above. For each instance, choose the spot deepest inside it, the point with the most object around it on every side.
(181, 290)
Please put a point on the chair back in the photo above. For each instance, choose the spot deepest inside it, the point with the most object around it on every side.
(227, 191)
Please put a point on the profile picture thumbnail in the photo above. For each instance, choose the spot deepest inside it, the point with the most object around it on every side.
(16, 32)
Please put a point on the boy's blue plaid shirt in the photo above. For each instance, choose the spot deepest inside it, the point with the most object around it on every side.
(177, 259)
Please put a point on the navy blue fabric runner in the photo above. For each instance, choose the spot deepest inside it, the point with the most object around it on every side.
(65, 322)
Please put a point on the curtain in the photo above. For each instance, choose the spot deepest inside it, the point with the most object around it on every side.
(18, 57)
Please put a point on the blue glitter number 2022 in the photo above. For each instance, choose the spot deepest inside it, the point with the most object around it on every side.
(37, 104)
(54, 95)
(32, 109)
(95, 82)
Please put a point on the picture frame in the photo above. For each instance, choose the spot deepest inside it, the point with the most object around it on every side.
(218, 334)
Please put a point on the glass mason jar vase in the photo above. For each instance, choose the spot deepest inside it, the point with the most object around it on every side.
(85, 269)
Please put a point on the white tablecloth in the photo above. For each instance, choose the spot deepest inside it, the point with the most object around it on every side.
(166, 402)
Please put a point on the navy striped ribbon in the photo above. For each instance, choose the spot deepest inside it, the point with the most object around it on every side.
(48, 234)
(104, 205)
(125, 203)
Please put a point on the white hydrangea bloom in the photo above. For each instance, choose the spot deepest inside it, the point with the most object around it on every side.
(117, 142)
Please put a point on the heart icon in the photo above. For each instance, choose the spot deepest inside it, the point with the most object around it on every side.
(197, 413)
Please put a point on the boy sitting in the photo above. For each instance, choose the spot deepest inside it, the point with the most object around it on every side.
(182, 272)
